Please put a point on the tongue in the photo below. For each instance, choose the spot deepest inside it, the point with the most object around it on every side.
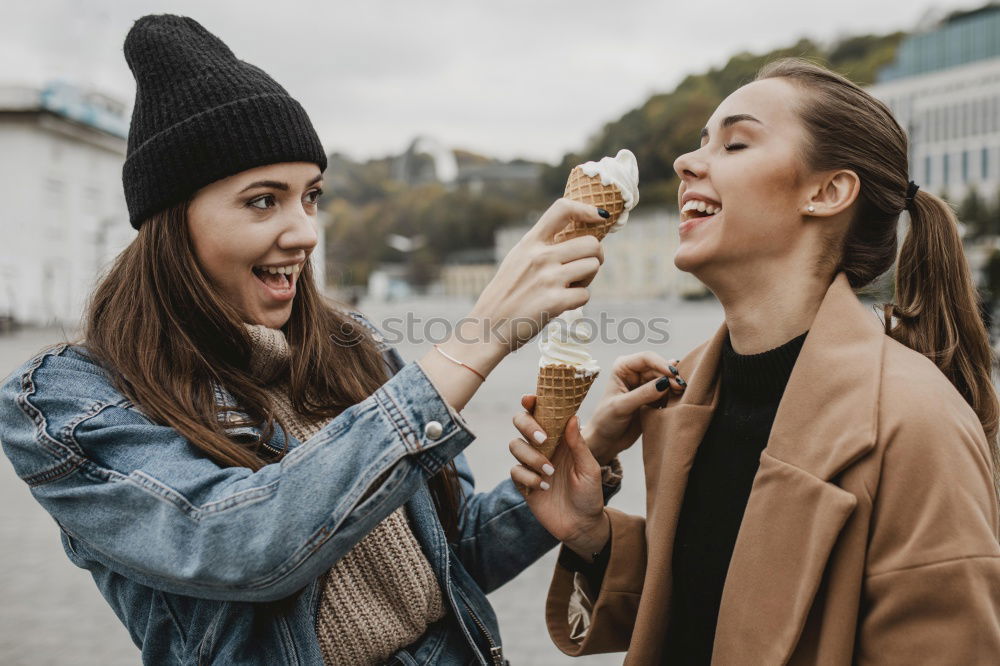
(273, 280)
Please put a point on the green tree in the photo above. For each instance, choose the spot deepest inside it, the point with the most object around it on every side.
(974, 213)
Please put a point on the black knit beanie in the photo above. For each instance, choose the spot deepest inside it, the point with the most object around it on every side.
(201, 115)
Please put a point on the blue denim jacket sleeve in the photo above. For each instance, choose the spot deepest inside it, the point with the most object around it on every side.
(148, 504)
(499, 536)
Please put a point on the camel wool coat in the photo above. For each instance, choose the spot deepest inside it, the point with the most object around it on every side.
(871, 531)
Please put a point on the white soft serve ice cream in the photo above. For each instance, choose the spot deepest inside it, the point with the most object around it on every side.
(565, 342)
(622, 171)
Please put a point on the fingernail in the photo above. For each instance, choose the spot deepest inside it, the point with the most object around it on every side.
(544, 485)
(662, 384)
(603, 213)
(673, 369)
(539, 436)
(681, 382)
(548, 469)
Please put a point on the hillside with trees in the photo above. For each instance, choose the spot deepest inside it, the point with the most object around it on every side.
(368, 201)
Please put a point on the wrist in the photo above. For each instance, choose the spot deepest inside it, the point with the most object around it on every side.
(601, 451)
(593, 539)
(469, 345)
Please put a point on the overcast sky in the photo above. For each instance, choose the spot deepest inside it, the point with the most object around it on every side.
(529, 78)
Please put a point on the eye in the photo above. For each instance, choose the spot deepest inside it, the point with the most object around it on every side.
(267, 197)
(318, 192)
(735, 146)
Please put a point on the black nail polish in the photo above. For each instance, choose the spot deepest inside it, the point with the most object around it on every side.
(673, 369)
(681, 382)
(603, 213)
(662, 383)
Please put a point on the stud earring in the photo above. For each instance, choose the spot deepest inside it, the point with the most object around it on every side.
(811, 208)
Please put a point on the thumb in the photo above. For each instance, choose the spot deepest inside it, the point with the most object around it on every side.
(583, 459)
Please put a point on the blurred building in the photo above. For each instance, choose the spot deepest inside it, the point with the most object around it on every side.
(427, 160)
(466, 273)
(944, 89)
(638, 262)
(61, 156)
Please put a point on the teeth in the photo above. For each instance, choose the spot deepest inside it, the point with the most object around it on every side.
(700, 206)
(294, 269)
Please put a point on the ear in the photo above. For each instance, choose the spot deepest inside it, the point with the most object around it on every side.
(836, 192)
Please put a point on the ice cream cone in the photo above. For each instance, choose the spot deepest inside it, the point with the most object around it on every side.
(590, 190)
(560, 392)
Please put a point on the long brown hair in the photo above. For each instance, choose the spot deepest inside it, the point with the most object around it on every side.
(935, 302)
(168, 338)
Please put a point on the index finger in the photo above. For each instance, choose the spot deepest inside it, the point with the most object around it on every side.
(642, 362)
(561, 213)
(528, 401)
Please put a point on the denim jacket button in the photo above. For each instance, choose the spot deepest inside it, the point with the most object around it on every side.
(433, 430)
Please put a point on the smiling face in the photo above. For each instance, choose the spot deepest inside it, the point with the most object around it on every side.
(252, 233)
(749, 170)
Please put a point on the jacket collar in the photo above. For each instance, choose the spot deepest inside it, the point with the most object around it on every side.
(826, 420)
(832, 393)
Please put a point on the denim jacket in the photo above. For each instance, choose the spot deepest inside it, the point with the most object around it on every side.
(209, 564)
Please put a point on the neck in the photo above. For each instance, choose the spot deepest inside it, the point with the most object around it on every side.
(767, 310)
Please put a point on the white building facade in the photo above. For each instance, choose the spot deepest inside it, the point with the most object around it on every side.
(61, 156)
(944, 89)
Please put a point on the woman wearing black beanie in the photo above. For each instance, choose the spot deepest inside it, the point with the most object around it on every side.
(251, 474)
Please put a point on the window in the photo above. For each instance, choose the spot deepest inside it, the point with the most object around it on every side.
(965, 166)
(985, 165)
(927, 170)
(944, 169)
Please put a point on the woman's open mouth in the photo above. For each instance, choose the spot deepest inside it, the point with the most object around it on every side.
(278, 282)
(695, 213)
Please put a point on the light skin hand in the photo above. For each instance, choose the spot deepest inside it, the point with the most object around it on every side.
(615, 424)
(571, 508)
(537, 280)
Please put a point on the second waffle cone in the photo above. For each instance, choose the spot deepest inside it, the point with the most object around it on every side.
(560, 392)
(590, 190)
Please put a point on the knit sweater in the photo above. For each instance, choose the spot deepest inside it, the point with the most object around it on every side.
(717, 492)
(383, 594)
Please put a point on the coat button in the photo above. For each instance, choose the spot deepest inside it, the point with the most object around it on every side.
(433, 430)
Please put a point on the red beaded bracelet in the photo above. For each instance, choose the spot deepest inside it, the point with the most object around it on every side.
(455, 360)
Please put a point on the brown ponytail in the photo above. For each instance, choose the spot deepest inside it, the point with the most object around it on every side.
(936, 303)
(937, 306)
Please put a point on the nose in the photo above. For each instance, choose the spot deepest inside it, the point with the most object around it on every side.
(300, 232)
(689, 166)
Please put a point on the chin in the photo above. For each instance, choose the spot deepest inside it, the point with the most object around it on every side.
(689, 262)
(273, 319)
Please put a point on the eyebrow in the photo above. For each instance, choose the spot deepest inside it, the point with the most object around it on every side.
(277, 184)
(729, 121)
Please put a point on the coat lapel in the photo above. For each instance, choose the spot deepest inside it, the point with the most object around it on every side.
(826, 421)
(670, 440)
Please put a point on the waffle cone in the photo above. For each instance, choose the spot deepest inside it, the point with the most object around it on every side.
(589, 190)
(558, 395)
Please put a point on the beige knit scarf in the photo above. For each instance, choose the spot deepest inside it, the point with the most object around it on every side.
(383, 594)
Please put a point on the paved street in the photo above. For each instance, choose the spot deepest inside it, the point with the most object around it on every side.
(53, 614)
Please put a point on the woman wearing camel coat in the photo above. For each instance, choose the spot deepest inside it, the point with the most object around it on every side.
(849, 517)
(862, 416)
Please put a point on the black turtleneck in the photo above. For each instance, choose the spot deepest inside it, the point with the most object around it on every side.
(717, 491)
